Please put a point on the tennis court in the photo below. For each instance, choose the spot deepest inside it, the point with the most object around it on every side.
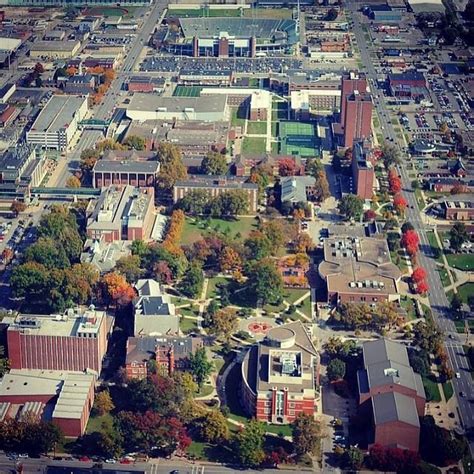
(187, 91)
(298, 139)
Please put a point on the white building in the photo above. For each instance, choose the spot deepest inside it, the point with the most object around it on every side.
(58, 121)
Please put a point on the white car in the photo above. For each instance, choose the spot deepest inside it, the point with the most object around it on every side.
(110, 461)
(458, 375)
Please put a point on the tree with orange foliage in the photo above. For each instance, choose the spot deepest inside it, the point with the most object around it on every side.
(71, 71)
(109, 76)
(114, 288)
(230, 260)
(411, 242)
(175, 230)
(303, 243)
(399, 204)
(298, 214)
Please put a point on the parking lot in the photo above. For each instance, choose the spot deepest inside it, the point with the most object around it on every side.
(239, 65)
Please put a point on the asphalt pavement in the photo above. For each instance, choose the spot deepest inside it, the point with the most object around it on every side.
(463, 386)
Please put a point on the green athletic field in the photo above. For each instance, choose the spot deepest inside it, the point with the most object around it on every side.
(187, 91)
(298, 139)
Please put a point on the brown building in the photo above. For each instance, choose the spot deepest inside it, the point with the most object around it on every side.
(280, 375)
(74, 341)
(64, 398)
(170, 354)
(128, 167)
(363, 171)
(121, 213)
(359, 270)
(392, 393)
(216, 185)
(458, 210)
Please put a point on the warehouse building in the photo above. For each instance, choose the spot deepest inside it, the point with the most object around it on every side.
(57, 123)
(54, 49)
(144, 107)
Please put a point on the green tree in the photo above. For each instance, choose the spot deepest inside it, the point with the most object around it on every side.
(274, 230)
(214, 164)
(172, 168)
(230, 203)
(313, 167)
(258, 245)
(73, 182)
(248, 444)
(265, 282)
(195, 202)
(306, 434)
(336, 347)
(353, 458)
(457, 236)
(47, 252)
(139, 247)
(135, 142)
(200, 366)
(193, 281)
(351, 206)
(456, 305)
(415, 184)
(336, 370)
(103, 402)
(41, 437)
(130, 267)
(213, 427)
(89, 157)
(224, 323)
(390, 155)
(29, 279)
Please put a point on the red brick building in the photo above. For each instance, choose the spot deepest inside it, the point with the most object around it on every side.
(65, 398)
(76, 341)
(170, 354)
(121, 213)
(459, 210)
(392, 393)
(280, 375)
(363, 171)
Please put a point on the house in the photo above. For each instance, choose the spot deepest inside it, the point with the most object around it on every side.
(392, 393)
(154, 312)
(296, 189)
(170, 354)
(280, 375)
(293, 270)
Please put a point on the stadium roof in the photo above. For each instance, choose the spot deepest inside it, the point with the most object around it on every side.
(263, 28)
(425, 6)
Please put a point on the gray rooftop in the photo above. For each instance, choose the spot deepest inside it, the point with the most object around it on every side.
(382, 350)
(393, 406)
(150, 102)
(126, 166)
(58, 113)
(293, 188)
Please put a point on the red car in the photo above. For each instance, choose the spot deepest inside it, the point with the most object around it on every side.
(125, 461)
(84, 459)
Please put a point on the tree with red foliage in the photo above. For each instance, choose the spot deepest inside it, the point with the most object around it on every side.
(286, 167)
(422, 287)
(400, 204)
(402, 461)
(418, 275)
(394, 182)
(369, 215)
(163, 272)
(411, 242)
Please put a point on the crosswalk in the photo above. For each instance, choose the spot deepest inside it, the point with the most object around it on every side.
(194, 469)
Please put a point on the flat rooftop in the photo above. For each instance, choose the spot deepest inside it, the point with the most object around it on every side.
(58, 113)
(155, 103)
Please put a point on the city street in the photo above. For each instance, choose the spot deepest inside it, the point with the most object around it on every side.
(437, 297)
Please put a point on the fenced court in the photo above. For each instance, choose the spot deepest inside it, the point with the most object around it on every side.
(187, 91)
(298, 139)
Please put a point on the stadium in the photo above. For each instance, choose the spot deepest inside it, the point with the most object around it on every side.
(228, 37)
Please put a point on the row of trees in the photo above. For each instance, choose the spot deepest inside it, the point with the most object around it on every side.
(228, 203)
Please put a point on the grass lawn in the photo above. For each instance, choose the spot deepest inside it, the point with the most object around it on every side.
(192, 310)
(202, 12)
(95, 422)
(444, 276)
(408, 304)
(305, 307)
(434, 244)
(399, 260)
(256, 128)
(195, 229)
(431, 389)
(461, 261)
(210, 452)
(233, 395)
(212, 290)
(460, 326)
(419, 199)
(205, 391)
(277, 13)
(275, 148)
(253, 146)
(188, 325)
(448, 390)
(274, 129)
(270, 308)
(466, 290)
(238, 116)
(280, 430)
(292, 294)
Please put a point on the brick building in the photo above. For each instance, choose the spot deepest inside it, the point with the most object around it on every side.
(121, 213)
(64, 398)
(392, 393)
(260, 105)
(363, 171)
(280, 375)
(216, 185)
(458, 210)
(170, 354)
(127, 167)
(74, 341)
(358, 270)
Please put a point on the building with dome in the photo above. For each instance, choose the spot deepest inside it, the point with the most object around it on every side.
(280, 375)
